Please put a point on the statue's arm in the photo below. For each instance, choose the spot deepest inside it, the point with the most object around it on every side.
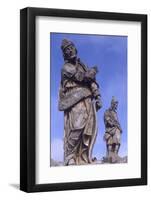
(111, 122)
(71, 72)
(95, 90)
(117, 124)
(96, 94)
(86, 76)
(108, 121)
(68, 71)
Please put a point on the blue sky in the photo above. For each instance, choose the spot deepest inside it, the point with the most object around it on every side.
(109, 53)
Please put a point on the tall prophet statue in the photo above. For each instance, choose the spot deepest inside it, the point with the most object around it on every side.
(113, 132)
(79, 98)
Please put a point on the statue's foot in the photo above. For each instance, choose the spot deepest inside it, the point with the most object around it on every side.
(71, 162)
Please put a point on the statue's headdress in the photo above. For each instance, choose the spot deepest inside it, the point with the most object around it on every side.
(66, 43)
(113, 101)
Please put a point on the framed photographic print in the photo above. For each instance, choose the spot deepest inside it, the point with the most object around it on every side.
(83, 99)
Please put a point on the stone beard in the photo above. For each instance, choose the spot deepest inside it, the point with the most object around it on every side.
(79, 98)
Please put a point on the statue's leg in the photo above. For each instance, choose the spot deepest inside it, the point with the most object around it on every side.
(116, 150)
(107, 150)
(109, 147)
(84, 151)
(115, 156)
(117, 141)
(71, 162)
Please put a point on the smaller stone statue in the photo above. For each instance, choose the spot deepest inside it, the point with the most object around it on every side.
(113, 132)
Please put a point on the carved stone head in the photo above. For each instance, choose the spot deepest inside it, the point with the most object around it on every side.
(114, 104)
(69, 50)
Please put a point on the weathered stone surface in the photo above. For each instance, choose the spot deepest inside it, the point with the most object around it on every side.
(113, 131)
(79, 98)
(116, 159)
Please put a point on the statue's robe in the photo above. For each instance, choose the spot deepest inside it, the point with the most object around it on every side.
(113, 130)
(76, 100)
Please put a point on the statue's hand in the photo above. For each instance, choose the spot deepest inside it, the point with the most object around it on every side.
(119, 127)
(98, 104)
(121, 130)
(91, 73)
(95, 68)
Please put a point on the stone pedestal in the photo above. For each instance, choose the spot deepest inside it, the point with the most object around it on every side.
(114, 158)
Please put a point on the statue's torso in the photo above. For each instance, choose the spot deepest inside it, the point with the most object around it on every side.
(68, 72)
(110, 119)
(72, 91)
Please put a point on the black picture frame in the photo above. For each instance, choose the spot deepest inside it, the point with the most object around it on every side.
(28, 99)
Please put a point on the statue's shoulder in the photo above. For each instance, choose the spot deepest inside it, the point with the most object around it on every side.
(107, 113)
(69, 68)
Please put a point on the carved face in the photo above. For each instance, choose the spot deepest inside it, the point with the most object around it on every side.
(70, 52)
(114, 106)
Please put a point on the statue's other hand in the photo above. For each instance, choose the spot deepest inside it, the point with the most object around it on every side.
(120, 129)
(98, 104)
(95, 68)
(91, 73)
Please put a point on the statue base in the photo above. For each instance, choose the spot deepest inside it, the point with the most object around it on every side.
(114, 158)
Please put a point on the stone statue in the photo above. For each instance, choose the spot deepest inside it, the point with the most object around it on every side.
(79, 98)
(113, 132)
